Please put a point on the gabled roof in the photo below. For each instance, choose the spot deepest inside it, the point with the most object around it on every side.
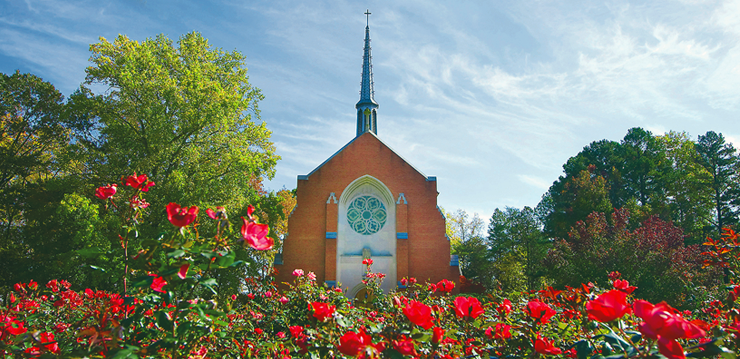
(428, 178)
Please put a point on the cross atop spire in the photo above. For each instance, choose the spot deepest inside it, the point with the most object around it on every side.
(367, 107)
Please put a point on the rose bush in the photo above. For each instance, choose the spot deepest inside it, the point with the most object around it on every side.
(172, 309)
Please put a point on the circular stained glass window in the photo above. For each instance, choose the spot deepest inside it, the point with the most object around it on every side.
(366, 215)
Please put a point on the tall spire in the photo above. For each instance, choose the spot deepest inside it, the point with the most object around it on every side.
(367, 107)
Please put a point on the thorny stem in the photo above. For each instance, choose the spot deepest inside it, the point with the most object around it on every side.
(626, 337)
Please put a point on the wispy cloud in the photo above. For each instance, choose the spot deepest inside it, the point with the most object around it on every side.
(490, 98)
(49, 29)
(536, 182)
(64, 64)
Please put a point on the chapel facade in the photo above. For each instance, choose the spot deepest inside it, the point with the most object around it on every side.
(366, 201)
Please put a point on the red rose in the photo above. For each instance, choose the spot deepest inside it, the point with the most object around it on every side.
(539, 311)
(321, 311)
(158, 283)
(181, 216)
(296, 331)
(445, 286)
(546, 347)
(183, 272)
(671, 349)
(139, 182)
(218, 213)
(106, 192)
(608, 306)
(11, 326)
(663, 322)
(354, 344)
(437, 334)
(504, 308)
(501, 331)
(419, 314)
(468, 307)
(624, 286)
(405, 346)
(255, 235)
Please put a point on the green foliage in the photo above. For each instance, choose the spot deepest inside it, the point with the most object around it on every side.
(473, 259)
(722, 163)
(668, 176)
(690, 200)
(39, 165)
(185, 114)
(652, 255)
(467, 242)
(517, 245)
(33, 136)
(182, 112)
(580, 196)
(645, 167)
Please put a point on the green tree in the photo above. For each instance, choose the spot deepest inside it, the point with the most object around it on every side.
(32, 139)
(688, 198)
(184, 114)
(602, 158)
(580, 196)
(466, 241)
(516, 242)
(38, 167)
(722, 163)
(645, 167)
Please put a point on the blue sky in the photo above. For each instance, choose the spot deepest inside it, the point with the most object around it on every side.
(491, 97)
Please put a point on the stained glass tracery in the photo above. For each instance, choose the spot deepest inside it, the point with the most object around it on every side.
(366, 215)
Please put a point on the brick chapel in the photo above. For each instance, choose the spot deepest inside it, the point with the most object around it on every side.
(366, 201)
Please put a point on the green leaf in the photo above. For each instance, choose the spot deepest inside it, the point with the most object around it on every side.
(127, 353)
(227, 260)
(583, 348)
(163, 321)
(176, 253)
(392, 354)
(422, 337)
(342, 322)
(209, 282)
(143, 281)
(97, 268)
(183, 328)
(710, 349)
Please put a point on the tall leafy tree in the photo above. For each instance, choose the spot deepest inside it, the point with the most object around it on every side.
(634, 173)
(602, 158)
(37, 168)
(720, 160)
(466, 241)
(581, 195)
(516, 241)
(32, 133)
(184, 113)
(645, 167)
(688, 198)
